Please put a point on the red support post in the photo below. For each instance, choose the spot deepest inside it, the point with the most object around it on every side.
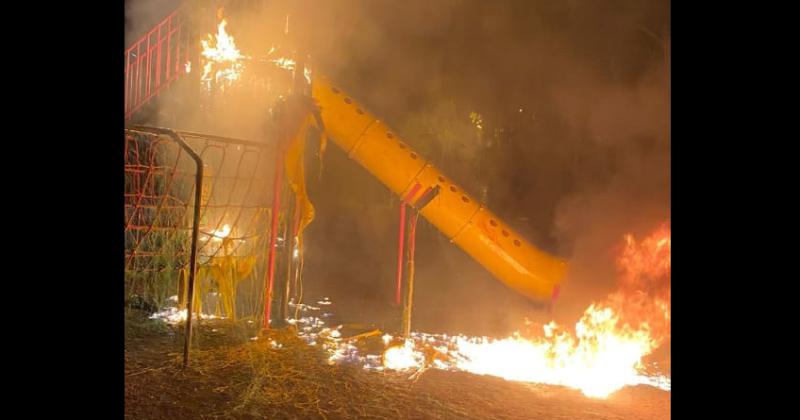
(138, 83)
(169, 46)
(147, 68)
(127, 83)
(178, 51)
(401, 241)
(158, 58)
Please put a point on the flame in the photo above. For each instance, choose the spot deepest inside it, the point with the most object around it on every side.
(289, 64)
(223, 63)
(218, 234)
(600, 358)
(645, 288)
(218, 241)
(477, 120)
(173, 316)
(647, 262)
(403, 356)
(222, 233)
(284, 63)
(222, 60)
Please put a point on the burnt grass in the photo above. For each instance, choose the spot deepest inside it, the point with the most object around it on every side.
(231, 376)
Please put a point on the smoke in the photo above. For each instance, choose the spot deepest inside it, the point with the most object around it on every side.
(242, 109)
(573, 151)
(142, 15)
(628, 191)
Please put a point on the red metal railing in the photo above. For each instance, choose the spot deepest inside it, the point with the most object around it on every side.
(155, 61)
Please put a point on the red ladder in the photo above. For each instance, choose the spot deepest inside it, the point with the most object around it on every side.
(155, 61)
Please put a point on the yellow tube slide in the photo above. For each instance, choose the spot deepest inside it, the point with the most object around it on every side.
(467, 223)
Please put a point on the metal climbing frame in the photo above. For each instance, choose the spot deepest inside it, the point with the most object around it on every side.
(223, 226)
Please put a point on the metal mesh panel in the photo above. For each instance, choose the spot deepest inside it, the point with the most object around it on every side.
(234, 220)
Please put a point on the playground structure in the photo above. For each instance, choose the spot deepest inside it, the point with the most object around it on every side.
(235, 240)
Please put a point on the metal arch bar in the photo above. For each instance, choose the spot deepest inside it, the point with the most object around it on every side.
(195, 226)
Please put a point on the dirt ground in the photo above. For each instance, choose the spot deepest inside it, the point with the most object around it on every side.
(233, 377)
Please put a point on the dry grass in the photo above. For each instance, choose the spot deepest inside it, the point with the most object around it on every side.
(233, 377)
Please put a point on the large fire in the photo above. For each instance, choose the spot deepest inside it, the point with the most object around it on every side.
(602, 355)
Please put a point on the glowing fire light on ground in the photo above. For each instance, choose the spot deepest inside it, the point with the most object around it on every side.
(403, 356)
(599, 359)
(174, 316)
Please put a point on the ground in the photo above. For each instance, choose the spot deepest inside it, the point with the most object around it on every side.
(233, 377)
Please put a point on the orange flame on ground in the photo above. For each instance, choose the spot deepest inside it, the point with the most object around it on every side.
(605, 352)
